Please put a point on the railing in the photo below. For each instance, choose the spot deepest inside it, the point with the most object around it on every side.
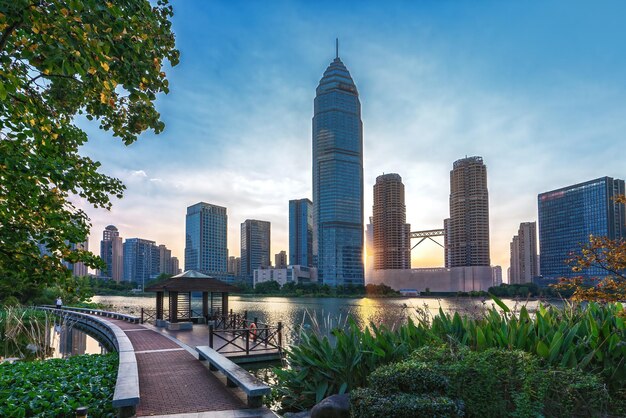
(114, 315)
(235, 333)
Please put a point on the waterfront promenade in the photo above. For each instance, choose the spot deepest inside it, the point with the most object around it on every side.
(173, 381)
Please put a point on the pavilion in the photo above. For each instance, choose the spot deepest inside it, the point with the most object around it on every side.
(180, 288)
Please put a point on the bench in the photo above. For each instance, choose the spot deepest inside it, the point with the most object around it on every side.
(235, 375)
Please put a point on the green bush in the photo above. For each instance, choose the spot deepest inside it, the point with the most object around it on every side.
(368, 403)
(409, 377)
(57, 387)
(500, 382)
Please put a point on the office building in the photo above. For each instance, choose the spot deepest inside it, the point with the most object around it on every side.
(141, 260)
(255, 247)
(284, 275)
(524, 258)
(78, 269)
(112, 253)
(568, 216)
(280, 260)
(175, 266)
(206, 246)
(467, 229)
(392, 241)
(301, 232)
(338, 178)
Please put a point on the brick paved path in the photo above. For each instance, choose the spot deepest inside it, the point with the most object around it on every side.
(171, 380)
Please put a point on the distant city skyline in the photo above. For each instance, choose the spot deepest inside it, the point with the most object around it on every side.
(437, 81)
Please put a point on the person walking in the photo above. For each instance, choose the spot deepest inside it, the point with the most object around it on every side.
(59, 302)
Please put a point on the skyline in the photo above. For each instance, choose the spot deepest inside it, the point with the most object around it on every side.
(436, 81)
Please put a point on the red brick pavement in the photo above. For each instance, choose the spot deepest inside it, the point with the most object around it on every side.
(174, 382)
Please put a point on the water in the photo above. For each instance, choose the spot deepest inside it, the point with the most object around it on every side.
(326, 313)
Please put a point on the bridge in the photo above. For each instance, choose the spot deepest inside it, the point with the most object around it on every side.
(159, 375)
(427, 234)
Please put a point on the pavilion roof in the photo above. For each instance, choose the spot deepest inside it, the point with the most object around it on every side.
(191, 281)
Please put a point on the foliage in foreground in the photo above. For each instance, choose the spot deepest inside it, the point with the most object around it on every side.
(589, 338)
(57, 387)
(60, 59)
(490, 383)
(20, 327)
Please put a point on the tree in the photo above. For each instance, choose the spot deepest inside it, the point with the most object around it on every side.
(606, 254)
(59, 60)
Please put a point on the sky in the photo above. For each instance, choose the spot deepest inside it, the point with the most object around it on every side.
(537, 88)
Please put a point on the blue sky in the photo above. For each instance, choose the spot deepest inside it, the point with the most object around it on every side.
(536, 88)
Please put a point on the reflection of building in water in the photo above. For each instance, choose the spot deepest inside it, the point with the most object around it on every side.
(457, 279)
(73, 342)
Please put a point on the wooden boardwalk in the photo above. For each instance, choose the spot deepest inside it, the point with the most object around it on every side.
(173, 381)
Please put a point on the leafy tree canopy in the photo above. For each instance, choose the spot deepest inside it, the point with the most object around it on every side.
(59, 59)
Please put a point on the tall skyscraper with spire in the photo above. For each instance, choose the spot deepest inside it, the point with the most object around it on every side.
(338, 178)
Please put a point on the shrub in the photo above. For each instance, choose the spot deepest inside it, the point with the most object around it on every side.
(410, 377)
(368, 403)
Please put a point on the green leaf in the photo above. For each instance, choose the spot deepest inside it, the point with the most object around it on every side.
(499, 302)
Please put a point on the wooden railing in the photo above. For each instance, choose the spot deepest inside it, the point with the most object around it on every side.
(238, 334)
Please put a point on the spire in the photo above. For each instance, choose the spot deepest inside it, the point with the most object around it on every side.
(336, 47)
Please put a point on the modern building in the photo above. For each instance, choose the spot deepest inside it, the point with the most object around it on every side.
(234, 266)
(301, 232)
(392, 235)
(338, 178)
(467, 230)
(280, 260)
(289, 274)
(78, 269)
(568, 216)
(175, 266)
(206, 239)
(255, 247)
(497, 275)
(369, 249)
(141, 260)
(112, 253)
(524, 258)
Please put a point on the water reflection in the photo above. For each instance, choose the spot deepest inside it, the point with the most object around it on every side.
(324, 314)
(68, 340)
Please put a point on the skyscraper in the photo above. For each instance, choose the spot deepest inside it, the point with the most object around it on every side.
(301, 232)
(280, 260)
(338, 178)
(111, 252)
(524, 259)
(255, 247)
(206, 244)
(392, 241)
(141, 260)
(567, 217)
(468, 227)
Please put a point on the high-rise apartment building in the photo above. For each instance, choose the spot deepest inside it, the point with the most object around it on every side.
(392, 241)
(338, 178)
(234, 266)
(112, 253)
(78, 269)
(468, 227)
(141, 260)
(524, 258)
(206, 246)
(255, 247)
(175, 266)
(567, 217)
(301, 232)
(280, 260)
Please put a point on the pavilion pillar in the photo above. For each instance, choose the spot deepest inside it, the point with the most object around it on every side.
(159, 305)
(205, 304)
(224, 303)
(173, 307)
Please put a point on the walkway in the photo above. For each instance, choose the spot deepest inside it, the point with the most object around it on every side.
(173, 381)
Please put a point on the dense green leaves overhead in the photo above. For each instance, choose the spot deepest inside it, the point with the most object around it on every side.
(60, 59)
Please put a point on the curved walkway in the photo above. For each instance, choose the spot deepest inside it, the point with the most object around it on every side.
(172, 380)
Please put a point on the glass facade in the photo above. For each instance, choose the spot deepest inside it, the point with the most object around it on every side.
(569, 215)
(141, 260)
(301, 232)
(206, 247)
(255, 247)
(338, 179)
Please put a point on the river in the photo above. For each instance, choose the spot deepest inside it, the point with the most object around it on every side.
(324, 314)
